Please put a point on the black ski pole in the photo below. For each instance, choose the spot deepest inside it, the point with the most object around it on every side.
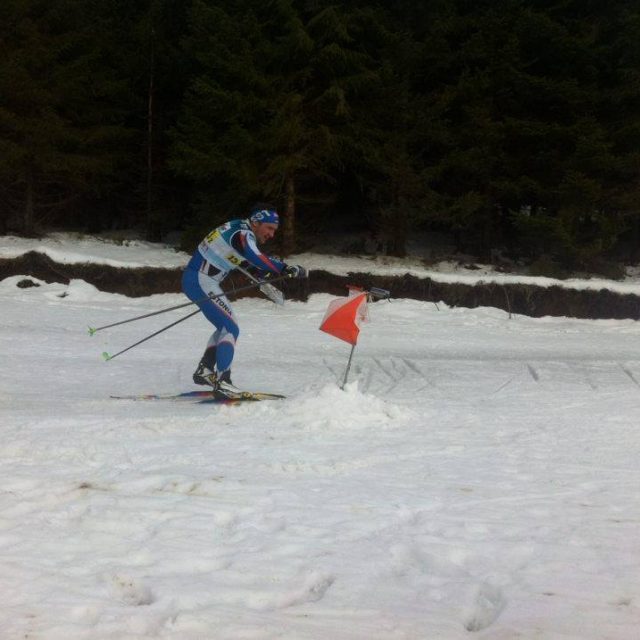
(92, 330)
(258, 283)
(108, 357)
(273, 293)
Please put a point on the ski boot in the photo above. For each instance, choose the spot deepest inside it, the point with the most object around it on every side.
(225, 386)
(206, 368)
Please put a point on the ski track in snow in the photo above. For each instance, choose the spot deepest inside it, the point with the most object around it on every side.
(478, 477)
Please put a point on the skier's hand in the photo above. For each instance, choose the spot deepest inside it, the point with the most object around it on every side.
(294, 271)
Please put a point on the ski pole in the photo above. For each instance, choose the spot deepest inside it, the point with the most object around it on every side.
(274, 294)
(146, 315)
(108, 357)
(257, 283)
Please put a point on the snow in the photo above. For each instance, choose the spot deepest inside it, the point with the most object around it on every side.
(69, 248)
(450, 272)
(478, 477)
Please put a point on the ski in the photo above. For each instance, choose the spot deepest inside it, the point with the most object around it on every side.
(206, 397)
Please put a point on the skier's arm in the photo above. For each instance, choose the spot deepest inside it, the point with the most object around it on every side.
(244, 243)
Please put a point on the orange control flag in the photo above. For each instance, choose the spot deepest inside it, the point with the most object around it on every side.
(344, 316)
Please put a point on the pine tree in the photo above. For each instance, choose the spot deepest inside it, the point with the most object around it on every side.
(619, 111)
(394, 127)
(59, 128)
(532, 156)
(214, 145)
(159, 72)
(271, 111)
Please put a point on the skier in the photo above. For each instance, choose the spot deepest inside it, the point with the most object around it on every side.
(230, 246)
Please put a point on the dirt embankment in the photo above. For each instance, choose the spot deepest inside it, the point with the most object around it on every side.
(514, 298)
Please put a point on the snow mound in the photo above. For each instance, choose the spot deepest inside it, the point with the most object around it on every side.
(10, 283)
(76, 290)
(81, 291)
(331, 408)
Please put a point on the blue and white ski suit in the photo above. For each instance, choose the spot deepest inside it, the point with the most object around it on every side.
(230, 246)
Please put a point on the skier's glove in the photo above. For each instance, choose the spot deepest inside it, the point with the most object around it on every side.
(294, 271)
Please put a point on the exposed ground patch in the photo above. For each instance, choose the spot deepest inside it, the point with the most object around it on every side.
(514, 298)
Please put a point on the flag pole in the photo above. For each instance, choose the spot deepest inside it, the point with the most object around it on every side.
(346, 373)
(353, 348)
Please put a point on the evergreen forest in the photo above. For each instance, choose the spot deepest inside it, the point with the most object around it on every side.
(511, 126)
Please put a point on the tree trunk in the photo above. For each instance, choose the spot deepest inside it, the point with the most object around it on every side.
(4, 215)
(152, 227)
(398, 236)
(289, 223)
(28, 220)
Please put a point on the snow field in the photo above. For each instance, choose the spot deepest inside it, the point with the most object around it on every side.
(477, 478)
